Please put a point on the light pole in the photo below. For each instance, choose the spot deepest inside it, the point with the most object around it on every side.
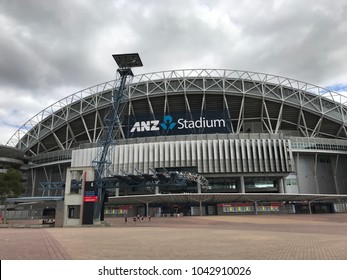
(112, 123)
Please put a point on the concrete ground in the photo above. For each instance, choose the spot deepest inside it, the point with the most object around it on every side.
(275, 237)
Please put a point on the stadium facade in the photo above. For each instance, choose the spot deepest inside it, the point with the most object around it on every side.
(197, 142)
(11, 157)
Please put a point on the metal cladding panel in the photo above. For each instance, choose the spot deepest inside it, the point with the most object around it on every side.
(276, 151)
(232, 156)
(162, 154)
(216, 156)
(131, 160)
(183, 153)
(79, 161)
(141, 157)
(271, 158)
(238, 155)
(151, 155)
(249, 155)
(83, 157)
(227, 156)
(243, 156)
(156, 154)
(189, 153)
(136, 148)
(121, 158)
(172, 154)
(178, 157)
(260, 155)
(221, 155)
(94, 154)
(204, 161)
(199, 156)
(126, 157)
(290, 155)
(73, 158)
(283, 166)
(115, 158)
(286, 158)
(255, 155)
(266, 157)
(146, 158)
(210, 161)
(194, 149)
(167, 154)
(88, 157)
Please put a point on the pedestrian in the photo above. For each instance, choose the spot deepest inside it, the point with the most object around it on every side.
(149, 218)
(125, 219)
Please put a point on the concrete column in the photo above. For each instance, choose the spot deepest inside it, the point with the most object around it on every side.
(315, 172)
(199, 187)
(33, 178)
(156, 190)
(298, 175)
(334, 166)
(242, 185)
(280, 185)
(117, 191)
(255, 208)
(147, 209)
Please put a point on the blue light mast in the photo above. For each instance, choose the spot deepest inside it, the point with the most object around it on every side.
(112, 124)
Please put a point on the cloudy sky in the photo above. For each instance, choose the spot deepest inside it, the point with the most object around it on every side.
(51, 49)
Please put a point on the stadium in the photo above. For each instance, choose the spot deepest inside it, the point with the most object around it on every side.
(194, 142)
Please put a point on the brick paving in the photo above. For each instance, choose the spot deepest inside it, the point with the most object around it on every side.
(30, 244)
(282, 237)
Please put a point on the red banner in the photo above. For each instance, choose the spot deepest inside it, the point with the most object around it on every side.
(90, 198)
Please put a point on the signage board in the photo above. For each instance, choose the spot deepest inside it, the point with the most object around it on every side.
(176, 124)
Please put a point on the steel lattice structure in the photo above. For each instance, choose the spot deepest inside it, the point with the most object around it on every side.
(275, 104)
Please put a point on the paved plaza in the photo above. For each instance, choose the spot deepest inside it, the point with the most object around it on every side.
(275, 237)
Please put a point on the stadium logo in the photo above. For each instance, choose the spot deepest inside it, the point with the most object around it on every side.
(169, 124)
(146, 126)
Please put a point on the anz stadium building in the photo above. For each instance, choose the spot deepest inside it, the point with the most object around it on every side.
(196, 142)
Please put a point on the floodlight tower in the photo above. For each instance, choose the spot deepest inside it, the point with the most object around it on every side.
(112, 123)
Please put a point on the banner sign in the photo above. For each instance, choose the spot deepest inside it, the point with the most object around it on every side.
(175, 124)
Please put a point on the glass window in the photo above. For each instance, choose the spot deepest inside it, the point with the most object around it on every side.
(74, 211)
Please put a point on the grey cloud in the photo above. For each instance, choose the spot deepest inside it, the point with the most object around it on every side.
(51, 48)
(48, 43)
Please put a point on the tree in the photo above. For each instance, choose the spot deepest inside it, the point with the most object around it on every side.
(10, 184)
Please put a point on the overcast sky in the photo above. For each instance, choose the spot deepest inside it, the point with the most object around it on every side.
(51, 49)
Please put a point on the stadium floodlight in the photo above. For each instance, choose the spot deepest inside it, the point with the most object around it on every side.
(128, 60)
(112, 124)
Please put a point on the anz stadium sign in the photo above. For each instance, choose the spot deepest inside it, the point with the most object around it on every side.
(169, 124)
